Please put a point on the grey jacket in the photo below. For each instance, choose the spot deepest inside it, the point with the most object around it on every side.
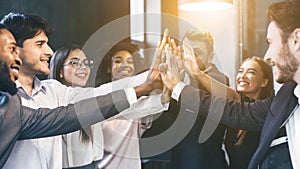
(17, 122)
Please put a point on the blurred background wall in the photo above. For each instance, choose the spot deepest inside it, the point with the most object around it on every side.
(239, 32)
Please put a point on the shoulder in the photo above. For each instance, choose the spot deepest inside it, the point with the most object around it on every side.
(3, 99)
(53, 84)
(9, 105)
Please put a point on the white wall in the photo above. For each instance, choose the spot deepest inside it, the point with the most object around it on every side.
(224, 27)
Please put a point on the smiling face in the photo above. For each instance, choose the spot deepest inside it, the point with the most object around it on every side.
(9, 53)
(122, 65)
(250, 79)
(72, 75)
(35, 55)
(281, 56)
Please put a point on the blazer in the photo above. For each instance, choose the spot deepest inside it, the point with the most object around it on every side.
(262, 115)
(191, 154)
(17, 122)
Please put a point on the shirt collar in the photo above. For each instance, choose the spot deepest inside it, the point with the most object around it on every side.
(37, 86)
(297, 92)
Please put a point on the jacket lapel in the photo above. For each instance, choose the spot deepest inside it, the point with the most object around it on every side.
(282, 106)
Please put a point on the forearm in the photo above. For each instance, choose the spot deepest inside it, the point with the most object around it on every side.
(145, 106)
(216, 88)
(247, 116)
(62, 120)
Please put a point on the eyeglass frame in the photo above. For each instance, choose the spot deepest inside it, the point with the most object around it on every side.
(79, 63)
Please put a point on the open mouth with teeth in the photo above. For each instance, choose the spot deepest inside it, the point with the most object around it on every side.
(45, 61)
(243, 83)
(125, 71)
(15, 70)
(81, 74)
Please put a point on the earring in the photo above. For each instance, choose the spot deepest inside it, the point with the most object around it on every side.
(61, 75)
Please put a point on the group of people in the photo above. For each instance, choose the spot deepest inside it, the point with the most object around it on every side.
(107, 121)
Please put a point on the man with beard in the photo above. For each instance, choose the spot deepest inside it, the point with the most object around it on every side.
(269, 115)
(19, 123)
(31, 33)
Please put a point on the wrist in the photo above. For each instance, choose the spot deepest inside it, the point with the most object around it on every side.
(200, 75)
(142, 90)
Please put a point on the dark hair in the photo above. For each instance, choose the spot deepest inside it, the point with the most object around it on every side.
(24, 26)
(286, 15)
(6, 84)
(56, 65)
(267, 91)
(103, 73)
(2, 26)
(58, 60)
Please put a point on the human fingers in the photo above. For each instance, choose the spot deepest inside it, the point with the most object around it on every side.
(164, 39)
(157, 57)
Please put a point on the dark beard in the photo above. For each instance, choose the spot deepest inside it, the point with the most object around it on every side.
(288, 65)
(6, 84)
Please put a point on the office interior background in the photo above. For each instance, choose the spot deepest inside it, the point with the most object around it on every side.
(238, 32)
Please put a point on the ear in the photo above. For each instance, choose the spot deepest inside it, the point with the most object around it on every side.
(61, 75)
(296, 38)
(264, 83)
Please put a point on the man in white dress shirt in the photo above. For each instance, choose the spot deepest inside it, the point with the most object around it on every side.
(31, 33)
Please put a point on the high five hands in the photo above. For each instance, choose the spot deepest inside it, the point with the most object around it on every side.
(175, 61)
(170, 64)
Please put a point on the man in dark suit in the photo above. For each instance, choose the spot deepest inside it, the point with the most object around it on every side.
(190, 152)
(18, 123)
(267, 115)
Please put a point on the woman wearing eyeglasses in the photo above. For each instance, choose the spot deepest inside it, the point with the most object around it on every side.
(71, 67)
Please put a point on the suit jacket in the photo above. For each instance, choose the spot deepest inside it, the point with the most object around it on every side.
(266, 115)
(17, 122)
(189, 152)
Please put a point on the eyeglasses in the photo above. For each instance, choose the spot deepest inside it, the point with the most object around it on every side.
(77, 63)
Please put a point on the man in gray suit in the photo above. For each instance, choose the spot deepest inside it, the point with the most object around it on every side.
(18, 123)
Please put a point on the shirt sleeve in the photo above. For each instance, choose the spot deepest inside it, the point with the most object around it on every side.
(177, 90)
(130, 95)
(76, 94)
(145, 106)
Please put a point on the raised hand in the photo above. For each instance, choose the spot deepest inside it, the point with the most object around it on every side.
(173, 61)
(153, 80)
(192, 64)
(170, 72)
(158, 55)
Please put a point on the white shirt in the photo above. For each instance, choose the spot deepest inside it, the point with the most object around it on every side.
(46, 153)
(293, 132)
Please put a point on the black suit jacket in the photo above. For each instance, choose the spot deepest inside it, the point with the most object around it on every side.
(266, 115)
(17, 122)
(189, 152)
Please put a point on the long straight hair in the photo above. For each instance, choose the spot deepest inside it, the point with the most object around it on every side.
(56, 65)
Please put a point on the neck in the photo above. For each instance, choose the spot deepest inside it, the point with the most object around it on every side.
(253, 95)
(27, 81)
(296, 77)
